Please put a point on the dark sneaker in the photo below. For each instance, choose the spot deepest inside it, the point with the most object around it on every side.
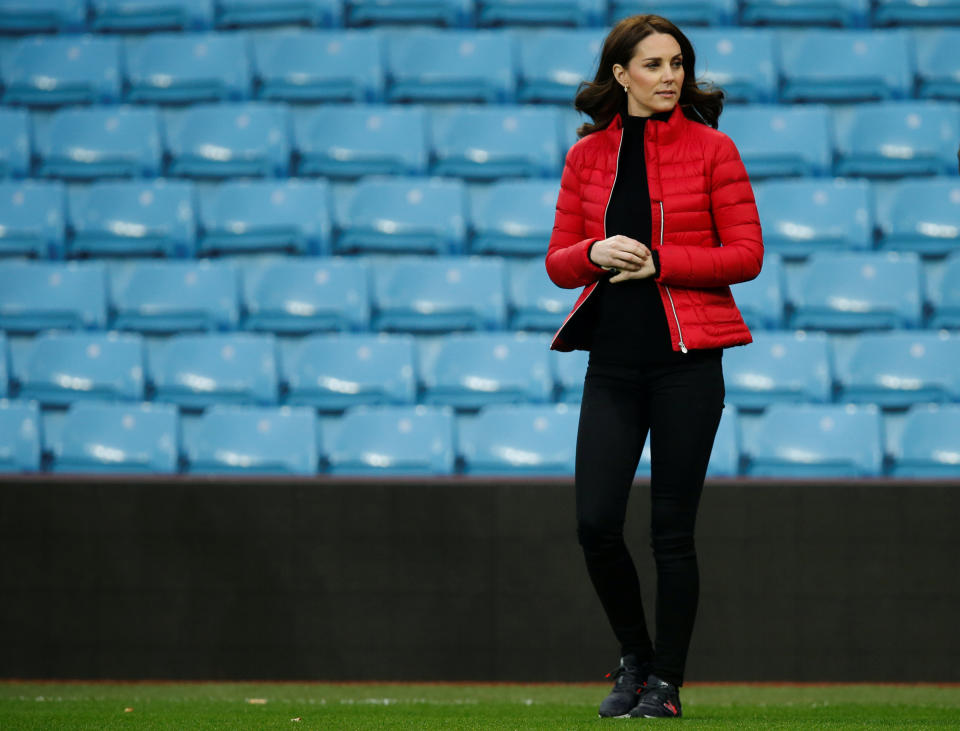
(630, 677)
(658, 699)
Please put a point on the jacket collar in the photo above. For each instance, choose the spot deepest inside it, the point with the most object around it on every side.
(664, 132)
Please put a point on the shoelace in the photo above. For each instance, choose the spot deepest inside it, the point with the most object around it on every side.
(622, 673)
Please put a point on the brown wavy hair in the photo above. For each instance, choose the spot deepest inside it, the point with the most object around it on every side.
(602, 98)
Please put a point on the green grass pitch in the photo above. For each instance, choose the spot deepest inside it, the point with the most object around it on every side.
(298, 706)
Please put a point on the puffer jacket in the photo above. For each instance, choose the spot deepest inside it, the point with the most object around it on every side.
(705, 229)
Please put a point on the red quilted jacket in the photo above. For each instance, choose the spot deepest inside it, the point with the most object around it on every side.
(705, 228)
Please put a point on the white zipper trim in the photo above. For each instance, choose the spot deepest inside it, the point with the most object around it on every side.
(683, 348)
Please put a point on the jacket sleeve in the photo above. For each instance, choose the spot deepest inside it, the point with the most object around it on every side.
(568, 264)
(735, 218)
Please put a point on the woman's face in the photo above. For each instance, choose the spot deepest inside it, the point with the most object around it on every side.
(654, 75)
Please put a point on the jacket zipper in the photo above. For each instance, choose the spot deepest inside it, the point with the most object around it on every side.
(683, 348)
(616, 172)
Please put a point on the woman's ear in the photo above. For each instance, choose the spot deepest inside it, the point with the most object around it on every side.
(618, 73)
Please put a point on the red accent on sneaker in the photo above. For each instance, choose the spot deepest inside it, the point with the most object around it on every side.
(670, 707)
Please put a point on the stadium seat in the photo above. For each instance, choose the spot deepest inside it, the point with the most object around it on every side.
(938, 63)
(43, 295)
(681, 12)
(43, 16)
(452, 13)
(901, 368)
(14, 143)
(800, 217)
(910, 12)
(19, 436)
(554, 61)
(196, 371)
(320, 66)
(182, 68)
(434, 294)
(117, 438)
(815, 441)
(307, 294)
(570, 369)
(779, 366)
(335, 372)
(229, 139)
(497, 141)
(513, 216)
(945, 295)
(845, 65)
(32, 219)
(100, 142)
(172, 296)
(742, 61)
(58, 368)
(402, 214)
(142, 15)
(291, 216)
(257, 13)
(762, 300)
(473, 370)
(142, 218)
(4, 366)
(525, 439)
(354, 140)
(854, 291)
(781, 141)
(541, 12)
(854, 13)
(450, 65)
(724, 457)
(897, 138)
(53, 70)
(929, 445)
(391, 440)
(535, 302)
(252, 440)
(920, 215)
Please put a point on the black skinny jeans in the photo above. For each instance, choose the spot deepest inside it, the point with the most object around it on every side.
(680, 406)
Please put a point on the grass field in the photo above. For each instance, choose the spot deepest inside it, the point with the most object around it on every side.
(300, 706)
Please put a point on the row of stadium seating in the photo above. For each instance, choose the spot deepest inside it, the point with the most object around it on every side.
(466, 371)
(182, 219)
(434, 65)
(790, 440)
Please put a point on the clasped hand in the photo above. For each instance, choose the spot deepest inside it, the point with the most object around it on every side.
(627, 257)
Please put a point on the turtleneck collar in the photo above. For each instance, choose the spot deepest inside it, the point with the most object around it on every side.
(636, 122)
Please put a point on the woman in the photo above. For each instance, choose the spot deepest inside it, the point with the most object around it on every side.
(655, 219)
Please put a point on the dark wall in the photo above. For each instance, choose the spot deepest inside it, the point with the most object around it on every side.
(460, 579)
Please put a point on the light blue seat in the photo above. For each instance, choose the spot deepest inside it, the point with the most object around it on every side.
(742, 61)
(33, 218)
(251, 440)
(14, 143)
(779, 366)
(520, 439)
(52, 70)
(542, 12)
(513, 216)
(291, 216)
(43, 16)
(929, 445)
(187, 67)
(171, 296)
(846, 65)
(143, 218)
(920, 215)
(43, 295)
(762, 300)
(850, 291)
(143, 15)
(307, 294)
(473, 370)
(854, 13)
(908, 12)
(391, 440)
(897, 138)
(196, 371)
(681, 12)
(496, 141)
(359, 139)
(58, 368)
(452, 13)
(257, 13)
(451, 65)
(535, 302)
(800, 217)
(901, 368)
(335, 372)
(100, 142)
(815, 441)
(320, 66)
(725, 459)
(229, 140)
(117, 438)
(570, 369)
(938, 63)
(554, 61)
(20, 429)
(945, 295)
(4, 365)
(439, 294)
(781, 141)
(402, 214)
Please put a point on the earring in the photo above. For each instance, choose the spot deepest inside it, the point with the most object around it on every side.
(626, 89)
